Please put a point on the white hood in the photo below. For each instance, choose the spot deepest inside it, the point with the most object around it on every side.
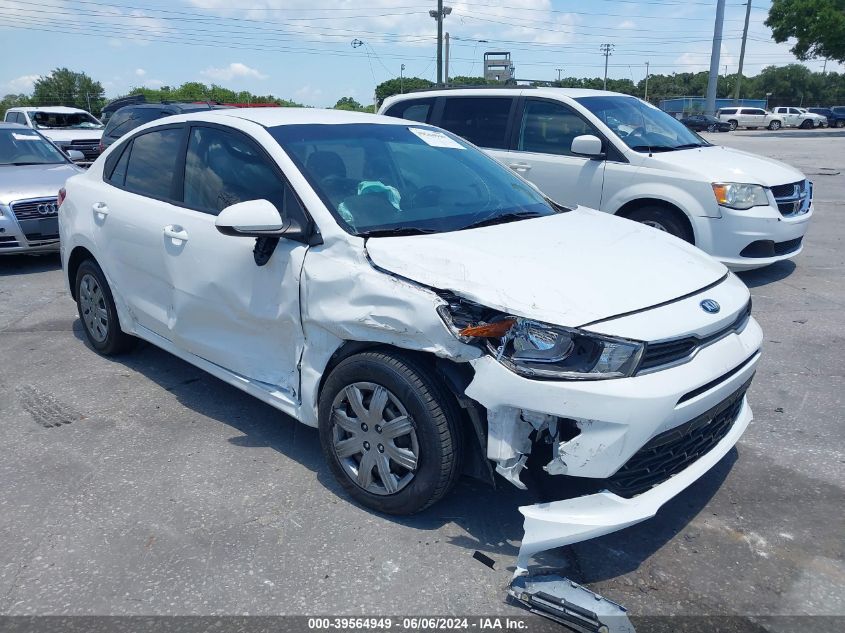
(725, 164)
(568, 269)
(63, 136)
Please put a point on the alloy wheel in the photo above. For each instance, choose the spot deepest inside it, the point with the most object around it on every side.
(92, 304)
(374, 438)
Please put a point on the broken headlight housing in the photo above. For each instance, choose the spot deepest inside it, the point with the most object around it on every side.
(539, 350)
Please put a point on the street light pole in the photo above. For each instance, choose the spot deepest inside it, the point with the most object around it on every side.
(645, 96)
(402, 79)
(438, 14)
(606, 51)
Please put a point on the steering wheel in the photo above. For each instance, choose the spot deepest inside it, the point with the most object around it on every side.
(425, 196)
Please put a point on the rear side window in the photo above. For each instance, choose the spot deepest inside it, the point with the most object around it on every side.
(413, 110)
(223, 168)
(550, 128)
(124, 122)
(152, 163)
(480, 120)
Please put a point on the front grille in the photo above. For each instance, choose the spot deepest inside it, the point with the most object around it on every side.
(89, 147)
(664, 353)
(794, 198)
(671, 452)
(35, 209)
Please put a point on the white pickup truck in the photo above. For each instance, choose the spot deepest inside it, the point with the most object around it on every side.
(68, 128)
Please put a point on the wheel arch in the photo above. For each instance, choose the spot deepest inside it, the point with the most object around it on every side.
(78, 255)
(629, 207)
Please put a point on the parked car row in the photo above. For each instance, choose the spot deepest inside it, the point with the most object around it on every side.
(782, 116)
(435, 309)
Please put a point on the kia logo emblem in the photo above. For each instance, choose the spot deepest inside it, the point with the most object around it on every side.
(48, 208)
(710, 306)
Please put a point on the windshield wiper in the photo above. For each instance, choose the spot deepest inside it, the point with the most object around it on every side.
(399, 230)
(502, 219)
(653, 148)
(20, 164)
(689, 146)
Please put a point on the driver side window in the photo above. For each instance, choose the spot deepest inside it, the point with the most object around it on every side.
(550, 128)
(223, 168)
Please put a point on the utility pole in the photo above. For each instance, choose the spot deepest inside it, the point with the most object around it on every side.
(713, 78)
(402, 79)
(645, 96)
(438, 14)
(606, 50)
(742, 51)
(446, 73)
(559, 70)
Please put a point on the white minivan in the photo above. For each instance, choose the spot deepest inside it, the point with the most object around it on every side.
(426, 308)
(616, 153)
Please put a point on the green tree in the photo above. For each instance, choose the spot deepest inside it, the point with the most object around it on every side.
(394, 86)
(818, 27)
(348, 103)
(197, 91)
(64, 87)
(13, 101)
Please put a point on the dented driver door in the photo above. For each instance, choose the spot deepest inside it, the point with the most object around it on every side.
(224, 307)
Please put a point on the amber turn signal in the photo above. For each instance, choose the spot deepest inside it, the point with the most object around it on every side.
(489, 330)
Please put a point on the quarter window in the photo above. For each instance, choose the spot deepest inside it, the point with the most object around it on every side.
(118, 174)
(550, 128)
(152, 163)
(416, 110)
(222, 169)
(480, 120)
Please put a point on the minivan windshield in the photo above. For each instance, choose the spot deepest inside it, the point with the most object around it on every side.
(64, 120)
(380, 180)
(642, 127)
(27, 147)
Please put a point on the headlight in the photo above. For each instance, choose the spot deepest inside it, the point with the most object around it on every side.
(735, 195)
(538, 350)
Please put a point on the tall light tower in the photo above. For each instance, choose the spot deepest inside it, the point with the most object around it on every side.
(438, 14)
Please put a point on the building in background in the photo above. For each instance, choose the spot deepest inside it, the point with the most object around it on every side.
(497, 66)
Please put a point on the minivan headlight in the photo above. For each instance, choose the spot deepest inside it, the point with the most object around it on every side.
(736, 195)
(538, 350)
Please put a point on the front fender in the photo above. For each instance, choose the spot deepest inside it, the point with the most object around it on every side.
(695, 201)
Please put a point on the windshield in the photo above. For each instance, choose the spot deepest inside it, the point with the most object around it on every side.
(26, 147)
(66, 120)
(395, 179)
(642, 127)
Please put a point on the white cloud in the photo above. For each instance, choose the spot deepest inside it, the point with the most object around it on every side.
(24, 83)
(308, 94)
(626, 24)
(235, 70)
(140, 72)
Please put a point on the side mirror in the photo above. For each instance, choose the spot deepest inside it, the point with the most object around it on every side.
(75, 155)
(587, 145)
(253, 218)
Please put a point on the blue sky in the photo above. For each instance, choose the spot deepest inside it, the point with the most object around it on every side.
(302, 49)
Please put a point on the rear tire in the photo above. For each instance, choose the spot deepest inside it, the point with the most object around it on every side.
(409, 464)
(774, 125)
(663, 219)
(98, 313)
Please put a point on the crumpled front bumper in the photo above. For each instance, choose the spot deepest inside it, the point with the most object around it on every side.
(559, 523)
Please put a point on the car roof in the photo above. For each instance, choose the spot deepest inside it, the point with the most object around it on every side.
(54, 109)
(271, 117)
(175, 106)
(572, 93)
(7, 125)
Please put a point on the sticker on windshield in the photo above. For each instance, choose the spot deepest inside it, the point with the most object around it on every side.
(436, 139)
(24, 137)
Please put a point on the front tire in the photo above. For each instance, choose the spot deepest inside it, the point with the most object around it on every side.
(663, 219)
(390, 432)
(733, 125)
(774, 125)
(806, 125)
(97, 311)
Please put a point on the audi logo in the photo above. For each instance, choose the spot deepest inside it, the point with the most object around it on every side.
(48, 208)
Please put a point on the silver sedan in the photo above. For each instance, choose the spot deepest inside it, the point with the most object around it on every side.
(32, 170)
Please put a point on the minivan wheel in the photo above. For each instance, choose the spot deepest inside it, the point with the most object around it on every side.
(390, 432)
(662, 219)
(733, 124)
(806, 125)
(774, 125)
(97, 311)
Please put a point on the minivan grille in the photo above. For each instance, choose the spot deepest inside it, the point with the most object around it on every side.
(663, 353)
(794, 198)
(671, 452)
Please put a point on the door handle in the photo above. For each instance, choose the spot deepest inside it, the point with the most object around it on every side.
(100, 208)
(520, 166)
(176, 232)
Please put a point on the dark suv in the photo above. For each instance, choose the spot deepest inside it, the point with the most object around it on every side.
(129, 117)
(835, 116)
